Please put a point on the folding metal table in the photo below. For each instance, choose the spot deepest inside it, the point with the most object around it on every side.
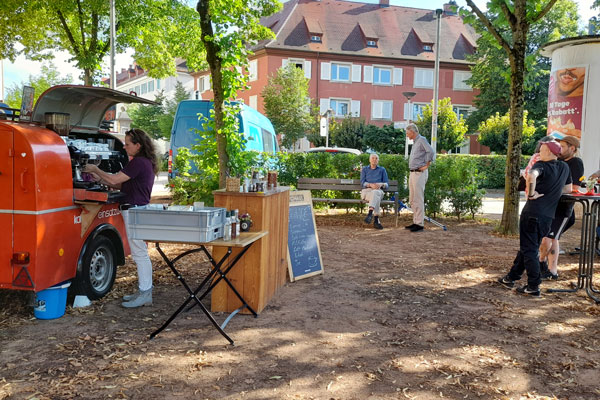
(218, 272)
(589, 222)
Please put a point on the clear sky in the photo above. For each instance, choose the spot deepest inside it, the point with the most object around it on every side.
(21, 69)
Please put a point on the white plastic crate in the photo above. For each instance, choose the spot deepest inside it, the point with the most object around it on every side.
(162, 233)
(203, 217)
(202, 225)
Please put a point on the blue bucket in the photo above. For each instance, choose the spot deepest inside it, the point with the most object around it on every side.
(52, 302)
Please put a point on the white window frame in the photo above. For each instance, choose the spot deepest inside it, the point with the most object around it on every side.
(419, 81)
(371, 43)
(301, 63)
(151, 83)
(467, 110)
(375, 75)
(418, 110)
(315, 39)
(253, 70)
(458, 81)
(348, 103)
(344, 65)
(378, 110)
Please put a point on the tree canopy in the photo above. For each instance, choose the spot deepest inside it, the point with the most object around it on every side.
(157, 120)
(451, 129)
(157, 31)
(48, 77)
(287, 104)
(493, 132)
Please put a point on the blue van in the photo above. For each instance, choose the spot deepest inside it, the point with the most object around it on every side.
(257, 128)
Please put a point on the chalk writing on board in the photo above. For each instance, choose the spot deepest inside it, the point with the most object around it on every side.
(302, 241)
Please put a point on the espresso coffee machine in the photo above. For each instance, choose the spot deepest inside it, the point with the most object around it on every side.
(87, 151)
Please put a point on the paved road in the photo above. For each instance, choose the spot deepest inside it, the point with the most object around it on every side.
(493, 202)
(159, 188)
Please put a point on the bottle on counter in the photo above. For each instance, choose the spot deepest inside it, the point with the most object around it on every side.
(234, 225)
(227, 227)
(237, 222)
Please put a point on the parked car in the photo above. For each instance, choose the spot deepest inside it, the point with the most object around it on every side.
(334, 150)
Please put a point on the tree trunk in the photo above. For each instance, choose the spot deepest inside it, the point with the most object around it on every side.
(87, 77)
(510, 214)
(215, 62)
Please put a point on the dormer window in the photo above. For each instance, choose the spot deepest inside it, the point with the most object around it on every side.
(315, 38)
(427, 47)
(371, 43)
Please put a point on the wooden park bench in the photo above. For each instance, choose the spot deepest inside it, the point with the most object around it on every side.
(348, 186)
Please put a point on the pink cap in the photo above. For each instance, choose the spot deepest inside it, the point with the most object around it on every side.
(553, 146)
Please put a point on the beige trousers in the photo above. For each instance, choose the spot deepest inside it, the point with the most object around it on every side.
(373, 196)
(416, 197)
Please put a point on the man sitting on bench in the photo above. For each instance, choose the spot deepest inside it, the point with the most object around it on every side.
(373, 179)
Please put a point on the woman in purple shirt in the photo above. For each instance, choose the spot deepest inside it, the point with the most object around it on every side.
(135, 181)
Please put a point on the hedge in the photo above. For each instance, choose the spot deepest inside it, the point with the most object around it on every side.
(490, 169)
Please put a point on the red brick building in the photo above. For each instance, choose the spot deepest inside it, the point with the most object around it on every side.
(360, 57)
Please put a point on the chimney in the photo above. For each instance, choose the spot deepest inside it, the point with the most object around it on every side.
(384, 3)
(450, 8)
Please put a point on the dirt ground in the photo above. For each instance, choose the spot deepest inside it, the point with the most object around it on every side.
(395, 315)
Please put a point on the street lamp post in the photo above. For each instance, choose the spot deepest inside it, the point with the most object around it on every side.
(113, 75)
(408, 95)
(436, 83)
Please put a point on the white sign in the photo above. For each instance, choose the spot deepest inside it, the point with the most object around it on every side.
(324, 126)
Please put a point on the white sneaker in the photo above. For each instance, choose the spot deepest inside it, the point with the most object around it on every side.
(139, 299)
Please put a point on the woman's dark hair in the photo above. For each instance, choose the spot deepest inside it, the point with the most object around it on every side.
(147, 149)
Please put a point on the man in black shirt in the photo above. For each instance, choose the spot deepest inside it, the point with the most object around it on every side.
(547, 180)
(564, 217)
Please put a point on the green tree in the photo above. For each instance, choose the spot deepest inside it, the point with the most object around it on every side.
(384, 140)
(146, 116)
(287, 104)
(228, 29)
(48, 77)
(510, 26)
(314, 130)
(493, 132)
(157, 120)
(348, 133)
(491, 71)
(451, 129)
(155, 29)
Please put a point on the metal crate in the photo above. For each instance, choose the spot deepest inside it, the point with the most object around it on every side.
(202, 225)
(203, 217)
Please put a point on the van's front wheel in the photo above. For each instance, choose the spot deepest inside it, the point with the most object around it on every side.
(98, 269)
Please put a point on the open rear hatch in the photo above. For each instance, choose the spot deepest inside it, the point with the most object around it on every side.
(86, 107)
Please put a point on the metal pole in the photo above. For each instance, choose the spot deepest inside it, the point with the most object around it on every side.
(113, 75)
(1, 79)
(405, 136)
(436, 83)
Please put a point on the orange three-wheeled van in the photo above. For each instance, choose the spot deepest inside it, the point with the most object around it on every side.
(56, 224)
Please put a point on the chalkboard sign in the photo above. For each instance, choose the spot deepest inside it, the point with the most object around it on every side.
(304, 254)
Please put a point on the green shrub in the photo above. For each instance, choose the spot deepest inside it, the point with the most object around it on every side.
(455, 180)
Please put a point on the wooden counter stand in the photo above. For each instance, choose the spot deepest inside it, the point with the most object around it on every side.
(263, 269)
